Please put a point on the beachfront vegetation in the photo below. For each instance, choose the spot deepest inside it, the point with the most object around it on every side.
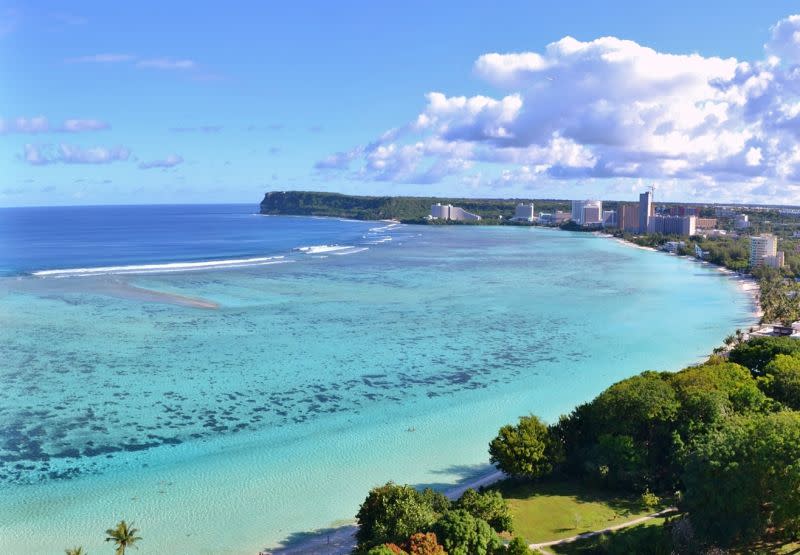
(392, 516)
(75, 551)
(720, 440)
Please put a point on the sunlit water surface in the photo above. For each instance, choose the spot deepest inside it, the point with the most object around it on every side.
(224, 410)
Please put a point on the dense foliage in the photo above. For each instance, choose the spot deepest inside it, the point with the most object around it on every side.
(723, 433)
(392, 513)
(744, 477)
(722, 437)
(464, 534)
(399, 519)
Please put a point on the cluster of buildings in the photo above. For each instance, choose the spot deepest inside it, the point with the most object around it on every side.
(441, 211)
(640, 218)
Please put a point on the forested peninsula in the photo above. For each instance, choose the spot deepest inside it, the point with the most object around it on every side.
(404, 209)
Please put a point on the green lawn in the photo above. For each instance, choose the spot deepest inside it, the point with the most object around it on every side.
(554, 510)
(590, 545)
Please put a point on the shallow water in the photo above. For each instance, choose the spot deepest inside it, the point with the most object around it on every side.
(225, 410)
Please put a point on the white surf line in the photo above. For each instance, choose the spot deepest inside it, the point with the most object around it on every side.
(317, 249)
(167, 267)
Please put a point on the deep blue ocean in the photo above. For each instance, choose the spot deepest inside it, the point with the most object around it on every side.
(230, 381)
(33, 239)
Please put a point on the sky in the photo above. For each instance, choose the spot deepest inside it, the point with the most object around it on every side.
(200, 102)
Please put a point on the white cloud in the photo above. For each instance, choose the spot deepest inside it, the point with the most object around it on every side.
(106, 58)
(40, 124)
(169, 162)
(785, 40)
(41, 155)
(162, 63)
(166, 63)
(607, 108)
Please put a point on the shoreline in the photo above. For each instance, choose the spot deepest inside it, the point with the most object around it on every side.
(340, 540)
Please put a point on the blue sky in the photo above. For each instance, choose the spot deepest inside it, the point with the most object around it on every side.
(175, 102)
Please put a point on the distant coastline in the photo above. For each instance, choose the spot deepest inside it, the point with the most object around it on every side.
(414, 211)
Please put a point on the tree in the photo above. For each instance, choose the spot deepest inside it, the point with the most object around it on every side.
(489, 506)
(517, 546)
(743, 478)
(635, 417)
(425, 544)
(782, 380)
(387, 549)
(463, 534)
(391, 514)
(123, 536)
(637, 406)
(712, 391)
(524, 449)
(756, 353)
(75, 551)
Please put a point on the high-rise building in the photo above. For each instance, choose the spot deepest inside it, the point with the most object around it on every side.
(764, 251)
(524, 212)
(609, 218)
(645, 211)
(441, 211)
(673, 225)
(587, 212)
(628, 217)
(459, 214)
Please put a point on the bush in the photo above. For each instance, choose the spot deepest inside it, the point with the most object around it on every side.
(517, 546)
(650, 499)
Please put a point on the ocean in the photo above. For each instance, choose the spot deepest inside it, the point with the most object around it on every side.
(231, 381)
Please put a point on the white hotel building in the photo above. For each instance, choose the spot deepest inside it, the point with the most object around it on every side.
(587, 212)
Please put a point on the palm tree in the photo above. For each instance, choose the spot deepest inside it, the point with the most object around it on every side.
(75, 551)
(123, 536)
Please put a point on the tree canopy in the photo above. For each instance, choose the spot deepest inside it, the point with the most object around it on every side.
(523, 450)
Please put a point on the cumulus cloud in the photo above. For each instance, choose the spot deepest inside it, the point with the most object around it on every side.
(605, 108)
(169, 162)
(41, 155)
(40, 124)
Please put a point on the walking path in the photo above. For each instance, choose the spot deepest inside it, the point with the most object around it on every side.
(634, 522)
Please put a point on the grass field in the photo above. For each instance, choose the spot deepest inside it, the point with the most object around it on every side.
(555, 510)
(591, 545)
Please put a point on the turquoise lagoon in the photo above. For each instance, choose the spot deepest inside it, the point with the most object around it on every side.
(227, 409)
